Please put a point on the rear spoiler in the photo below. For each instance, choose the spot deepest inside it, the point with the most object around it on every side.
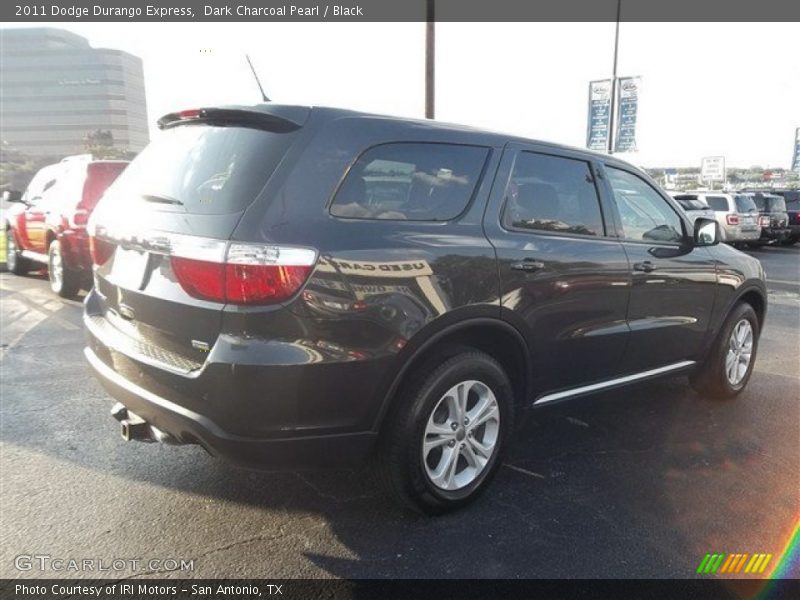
(229, 117)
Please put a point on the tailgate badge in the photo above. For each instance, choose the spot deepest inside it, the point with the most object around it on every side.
(200, 345)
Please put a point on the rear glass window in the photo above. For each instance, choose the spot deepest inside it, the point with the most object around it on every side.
(410, 181)
(204, 169)
(718, 203)
(776, 204)
(745, 204)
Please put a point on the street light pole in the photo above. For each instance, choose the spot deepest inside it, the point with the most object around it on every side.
(613, 107)
(430, 61)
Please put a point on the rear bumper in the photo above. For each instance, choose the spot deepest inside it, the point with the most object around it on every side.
(191, 427)
(775, 233)
(737, 234)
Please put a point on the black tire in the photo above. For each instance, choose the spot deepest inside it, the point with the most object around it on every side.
(789, 241)
(401, 462)
(711, 378)
(15, 263)
(63, 281)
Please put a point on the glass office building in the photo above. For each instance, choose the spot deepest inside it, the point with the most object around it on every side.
(55, 89)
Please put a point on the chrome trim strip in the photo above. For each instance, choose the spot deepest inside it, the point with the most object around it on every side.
(594, 387)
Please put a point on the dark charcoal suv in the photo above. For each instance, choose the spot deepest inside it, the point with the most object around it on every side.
(298, 287)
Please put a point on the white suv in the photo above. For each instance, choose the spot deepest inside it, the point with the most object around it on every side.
(736, 214)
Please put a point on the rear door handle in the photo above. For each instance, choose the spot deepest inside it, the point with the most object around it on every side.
(645, 266)
(528, 265)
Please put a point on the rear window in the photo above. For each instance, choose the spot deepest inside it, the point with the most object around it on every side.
(204, 169)
(776, 204)
(718, 203)
(410, 181)
(745, 204)
(770, 204)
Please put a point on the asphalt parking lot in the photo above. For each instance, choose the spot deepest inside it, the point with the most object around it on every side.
(635, 483)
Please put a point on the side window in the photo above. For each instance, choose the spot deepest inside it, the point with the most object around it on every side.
(410, 181)
(645, 215)
(552, 193)
(718, 203)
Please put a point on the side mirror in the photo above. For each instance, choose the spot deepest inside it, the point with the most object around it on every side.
(706, 232)
(12, 196)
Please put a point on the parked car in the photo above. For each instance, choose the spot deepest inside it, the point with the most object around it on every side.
(47, 226)
(792, 200)
(736, 214)
(477, 275)
(774, 218)
(694, 208)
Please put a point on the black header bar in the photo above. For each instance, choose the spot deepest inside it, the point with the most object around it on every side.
(365, 11)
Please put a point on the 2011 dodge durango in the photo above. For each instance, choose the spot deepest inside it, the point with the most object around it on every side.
(297, 287)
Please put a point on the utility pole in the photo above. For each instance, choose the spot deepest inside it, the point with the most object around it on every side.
(430, 60)
(613, 107)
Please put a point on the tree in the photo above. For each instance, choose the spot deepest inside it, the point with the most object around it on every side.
(17, 168)
(100, 144)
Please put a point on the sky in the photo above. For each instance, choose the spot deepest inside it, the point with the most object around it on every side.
(708, 89)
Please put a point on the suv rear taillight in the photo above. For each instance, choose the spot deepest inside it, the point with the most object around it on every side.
(246, 273)
(79, 218)
(763, 221)
(732, 219)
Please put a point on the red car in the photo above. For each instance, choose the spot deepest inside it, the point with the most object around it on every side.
(47, 225)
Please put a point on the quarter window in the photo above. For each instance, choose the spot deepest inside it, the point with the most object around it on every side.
(552, 193)
(645, 215)
(410, 181)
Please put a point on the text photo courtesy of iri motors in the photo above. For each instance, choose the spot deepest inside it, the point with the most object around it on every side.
(391, 301)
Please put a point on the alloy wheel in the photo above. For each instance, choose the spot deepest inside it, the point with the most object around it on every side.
(461, 435)
(740, 352)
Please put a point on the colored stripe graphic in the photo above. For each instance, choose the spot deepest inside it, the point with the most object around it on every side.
(763, 565)
(718, 563)
(710, 563)
(741, 562)
(725, 568)
(703, 563)
(751, 563)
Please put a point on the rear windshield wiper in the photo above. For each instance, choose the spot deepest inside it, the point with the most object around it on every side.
(161, 199)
